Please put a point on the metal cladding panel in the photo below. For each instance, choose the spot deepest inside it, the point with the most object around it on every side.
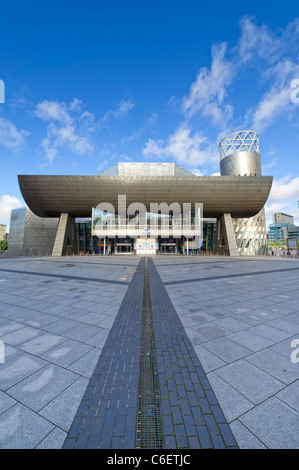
(241, 163)
(29, 234)
(17, 231)
(49, 196)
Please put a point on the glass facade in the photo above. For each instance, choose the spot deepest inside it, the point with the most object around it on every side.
(84, 239)
(88, 242)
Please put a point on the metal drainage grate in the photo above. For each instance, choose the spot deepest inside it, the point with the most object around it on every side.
(149, 432)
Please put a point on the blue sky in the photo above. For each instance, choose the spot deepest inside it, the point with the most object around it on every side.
(89, 83)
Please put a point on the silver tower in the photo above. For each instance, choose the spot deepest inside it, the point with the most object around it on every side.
(239, 156)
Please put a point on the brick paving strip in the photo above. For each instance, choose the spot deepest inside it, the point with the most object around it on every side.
(106, 417)
(191, 417)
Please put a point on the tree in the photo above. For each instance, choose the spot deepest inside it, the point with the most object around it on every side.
(3, 245)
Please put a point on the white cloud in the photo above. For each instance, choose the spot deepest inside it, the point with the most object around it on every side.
(257, 41)
(277, 100)
(260, 42)
(7, 203)
(10, 136)
(148, 122)
(197, 172)
(284, 189)
(121, 110)
(184, 148)
(287, 207)
(53, 111)
(271, 164)
(284, 197)
(208, 91)
(257, 45)
(68, 127)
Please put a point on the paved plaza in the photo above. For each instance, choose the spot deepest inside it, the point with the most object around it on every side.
(222, 327)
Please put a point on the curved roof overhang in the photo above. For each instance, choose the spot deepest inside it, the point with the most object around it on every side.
(49, 196)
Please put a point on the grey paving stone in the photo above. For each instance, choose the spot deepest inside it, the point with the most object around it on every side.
(250, 381)
(72, 314)
(67, 353)
(56, 309)
(6, 402)
(41, 343)
(245, 438)
(208, 360)
(10, 352)
(21, 335)
(8, 326)
(60, 325)
(232, 402)
(274, 423)
(275, 365)
(270, 333)
(16, 313)
(62, 409)
(226, 349)
(112, 389)
(54, 440)
(238, 308)
(294, 317)
(107, 322)
(290, 395)
(21, 428)
(41, 320)
(17, 368)
(284, 347)
(43, 386)
(231, 324)
(269, 311)
(181, 360)
(83, 304)
(98, 340)
(194, 336)
(285, 325)
(211, 331)
(249, 340)
(82, 332)
(92, 318)
(86, 364)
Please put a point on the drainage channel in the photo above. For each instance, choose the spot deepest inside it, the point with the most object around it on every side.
(149, 431)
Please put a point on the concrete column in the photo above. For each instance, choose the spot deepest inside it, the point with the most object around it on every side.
(225, 243)
(65, 240)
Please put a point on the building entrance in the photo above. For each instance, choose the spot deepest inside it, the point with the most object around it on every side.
(124, 248)
(168, 248)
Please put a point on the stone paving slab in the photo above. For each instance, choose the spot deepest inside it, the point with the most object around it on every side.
(238, 315)
(274, 423)
(267, 301)
(106, 417)
(46, 372)
(191, 415)
(22, 428)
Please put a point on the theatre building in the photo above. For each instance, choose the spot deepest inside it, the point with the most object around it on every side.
(148, 208)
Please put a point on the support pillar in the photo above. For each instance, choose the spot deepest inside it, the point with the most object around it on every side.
(225, 243)
(65, 240)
